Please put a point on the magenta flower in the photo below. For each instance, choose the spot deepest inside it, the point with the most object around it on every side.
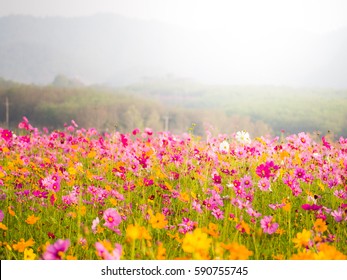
(267, 226)
(112, 218)
(57, 250)
(263, 171)
(1, 215)
(6, 134)
(313, 207)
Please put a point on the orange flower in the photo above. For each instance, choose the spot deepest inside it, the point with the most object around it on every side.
(305, 255)
(10, 211)
(161, 255)
(327, 252)
(237, 251)
(158, 221)
(32, 220)
(3, 227)
(320, 225)
(22, 245)
(302, 238)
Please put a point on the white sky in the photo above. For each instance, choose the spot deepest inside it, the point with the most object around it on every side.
(311, 15)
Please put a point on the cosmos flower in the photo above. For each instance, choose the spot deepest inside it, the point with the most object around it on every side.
(112, 218)
(267, 225)
(57, 250)
(224, 147)
(243, 137)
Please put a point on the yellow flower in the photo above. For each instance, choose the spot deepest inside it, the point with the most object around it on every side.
(327, 252)
(3, 227)
(71, 258)
(32, 220)
(280, 231)
(320, 225)
(212, 230)
(184, 197)
(196, 242)
(82, 210)
(243, 227)
(11, 212)
(22, 245)
(29, 254)
(237, 251)
(161, 254)
(304, 255)
(287, 207)
(133, 232)
(302, 238)
(158, 221)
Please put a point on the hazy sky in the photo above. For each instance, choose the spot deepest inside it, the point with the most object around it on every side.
(244, 41)
(311, 15)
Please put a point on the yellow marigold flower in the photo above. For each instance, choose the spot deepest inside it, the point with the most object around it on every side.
(99, 229)
(158, 221)
(175, 237)
(161, 254)
(320, 225)
(184, 197)
(237, 251)
(71, 258)
(302, 238)
(287, 207)
(327, 252)
(212, 230)
(82, 210)
(22, 245)
(304, 255)
(280, 231)
(113, 201)
(133, 232)
(29, 254)
(3, 227)
(196, 241)
(11, 212)
(32, 220)
(243, 227)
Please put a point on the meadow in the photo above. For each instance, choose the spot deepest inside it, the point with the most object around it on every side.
(77, 193)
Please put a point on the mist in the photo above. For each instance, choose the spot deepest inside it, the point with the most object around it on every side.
(116, 50)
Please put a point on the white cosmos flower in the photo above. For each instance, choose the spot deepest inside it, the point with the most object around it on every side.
(224, 147)
(243, 137)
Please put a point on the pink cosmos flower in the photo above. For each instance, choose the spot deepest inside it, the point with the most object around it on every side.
(218, 214)
(56, 250)
(267, 226)
(102, 252)
(338, 215)
(1, 215)
(246, 182)
(112, 218)
(264, 184)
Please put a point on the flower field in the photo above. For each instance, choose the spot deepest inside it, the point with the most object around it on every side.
(81, 194)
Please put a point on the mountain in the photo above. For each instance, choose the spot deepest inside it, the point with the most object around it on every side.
(115, 50)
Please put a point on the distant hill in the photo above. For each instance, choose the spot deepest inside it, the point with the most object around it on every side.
(119, 51)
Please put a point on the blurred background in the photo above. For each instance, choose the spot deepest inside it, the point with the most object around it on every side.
(268, 67)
